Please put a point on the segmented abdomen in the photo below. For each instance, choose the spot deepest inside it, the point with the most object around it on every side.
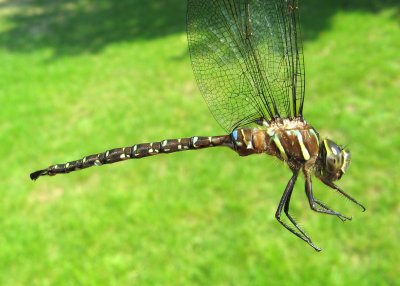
(136, 152)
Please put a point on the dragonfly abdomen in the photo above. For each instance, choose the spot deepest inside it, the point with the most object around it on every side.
(136, 152)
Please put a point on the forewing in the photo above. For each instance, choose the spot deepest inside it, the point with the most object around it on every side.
(247, 58)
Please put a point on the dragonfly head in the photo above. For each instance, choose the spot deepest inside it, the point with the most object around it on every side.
(335, 160)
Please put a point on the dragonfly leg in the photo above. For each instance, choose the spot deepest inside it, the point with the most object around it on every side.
(314, 203)
(336, 188)
(324, 206)
(284, 204)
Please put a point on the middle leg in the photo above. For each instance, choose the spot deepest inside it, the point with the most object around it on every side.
(314, 203)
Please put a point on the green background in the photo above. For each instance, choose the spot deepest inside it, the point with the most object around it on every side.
(81, 77)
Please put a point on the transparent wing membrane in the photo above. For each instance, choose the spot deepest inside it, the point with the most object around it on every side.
(247, 58)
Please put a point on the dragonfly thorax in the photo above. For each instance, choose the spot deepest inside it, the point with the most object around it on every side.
(291, 140)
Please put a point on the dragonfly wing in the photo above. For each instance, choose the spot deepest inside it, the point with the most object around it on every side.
(247, 58)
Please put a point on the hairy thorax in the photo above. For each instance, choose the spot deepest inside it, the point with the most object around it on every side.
(289, 140)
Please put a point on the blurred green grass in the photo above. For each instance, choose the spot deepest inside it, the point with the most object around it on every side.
(79, 77)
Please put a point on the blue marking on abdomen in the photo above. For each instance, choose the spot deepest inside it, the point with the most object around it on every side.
(235, 135)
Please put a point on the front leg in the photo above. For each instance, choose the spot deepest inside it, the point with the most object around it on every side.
(336, 188)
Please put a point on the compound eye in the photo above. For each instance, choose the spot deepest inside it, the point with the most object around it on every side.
(347, 159)
(334, 156)
(333, 162)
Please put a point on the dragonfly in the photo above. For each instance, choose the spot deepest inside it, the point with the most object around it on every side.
(247, 58)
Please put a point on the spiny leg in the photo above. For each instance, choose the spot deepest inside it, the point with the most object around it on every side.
(284, 203)
(336, 188)
(322, 205)
(286, 210)
(314, 203)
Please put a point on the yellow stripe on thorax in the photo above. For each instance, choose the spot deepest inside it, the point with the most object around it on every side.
(304, 150)
(315, 135)
(278, 144)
